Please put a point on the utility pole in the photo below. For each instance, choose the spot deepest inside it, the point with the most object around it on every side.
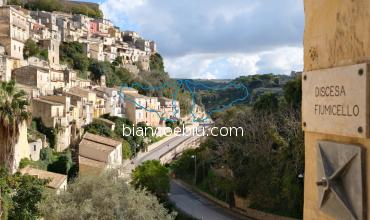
(195, 168)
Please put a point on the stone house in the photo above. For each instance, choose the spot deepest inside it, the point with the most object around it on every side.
(140, 108)
(57, 79)
(53, 116)
(93, 27)
(6, 65)
(14, 30)
(97, 153)
(52, 45)
(104, 25)
(49, 19)
(84, 100)
(34, 76)
(110, 53)
(35, 148)
(99, 107)
(115, 33)
(143, 45)
(58, 182)
(170, 109)
(96, 50)
(112, 100)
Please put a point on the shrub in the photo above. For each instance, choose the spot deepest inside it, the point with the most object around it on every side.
(103, 197)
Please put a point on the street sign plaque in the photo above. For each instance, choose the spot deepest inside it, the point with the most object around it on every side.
(335, 101)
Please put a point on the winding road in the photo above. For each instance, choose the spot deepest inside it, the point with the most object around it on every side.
(185, 199)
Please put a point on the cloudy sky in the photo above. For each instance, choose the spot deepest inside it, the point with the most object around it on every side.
(217, 38)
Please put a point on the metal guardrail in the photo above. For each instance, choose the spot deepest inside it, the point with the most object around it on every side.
(184, 145)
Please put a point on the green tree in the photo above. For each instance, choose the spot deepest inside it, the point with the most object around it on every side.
(107, 196)
(156, 62)
(44, 5)
(126, 150)
(152, 176)
(62, 164)
(73, 54)
(30, 49)
(268, 102)
(13, 112)
(99, 129)
(124, 75)
(99, 68)
(293, 92)
(15, 2)
(21, 195)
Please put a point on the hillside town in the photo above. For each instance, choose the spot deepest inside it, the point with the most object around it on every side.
(65, 102)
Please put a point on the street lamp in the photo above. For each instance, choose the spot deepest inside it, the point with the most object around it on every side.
(195, 168)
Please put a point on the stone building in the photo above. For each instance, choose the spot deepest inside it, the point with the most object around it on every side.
(14, 30)
(52, 45)
(112, 100)
(85, 101)
(6, 65)
(35, 147)
(140, 108)
(104, 25)
(57, 79)
(96, 50)
(97, 153)
(57, 182)
(51, 113)
(170, 109)
(34, 76)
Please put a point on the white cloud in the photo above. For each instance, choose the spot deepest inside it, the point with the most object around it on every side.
(229, 66)
(217, 38)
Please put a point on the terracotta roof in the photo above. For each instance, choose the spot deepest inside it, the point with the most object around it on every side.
(48, 102)
(91, 163)
(56, 179)
(96, 147)
(102, 140)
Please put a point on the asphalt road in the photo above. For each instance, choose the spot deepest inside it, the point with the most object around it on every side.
(161, 149)
(198, 206)
(186, 200)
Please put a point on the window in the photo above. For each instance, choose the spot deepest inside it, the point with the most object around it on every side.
(34, 147)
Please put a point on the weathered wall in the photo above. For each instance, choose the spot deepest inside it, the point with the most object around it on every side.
(337, 33)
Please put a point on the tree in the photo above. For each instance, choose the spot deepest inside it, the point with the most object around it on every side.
(62, 164)
(126, 150)
(20, 195)
(293, 92)
(107, 196)
(99, 68)
(156, 62)
(73, 54)
(268, 102)
(15, 2)
(30, 49)
(153, 176)
(99, 129)
(13, 112)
